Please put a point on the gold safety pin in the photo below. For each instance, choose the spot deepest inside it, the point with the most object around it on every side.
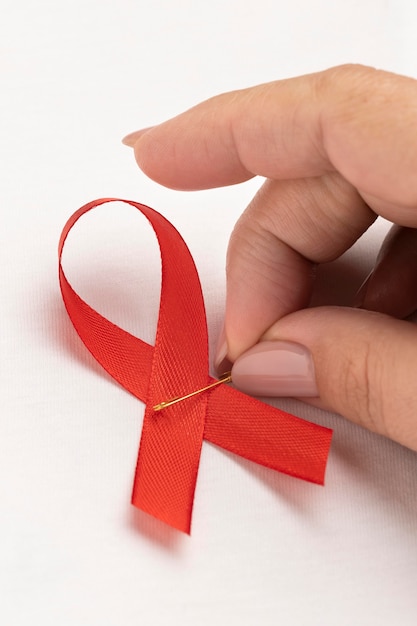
(226, 378)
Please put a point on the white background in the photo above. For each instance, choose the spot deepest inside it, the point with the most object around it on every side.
(265, 548)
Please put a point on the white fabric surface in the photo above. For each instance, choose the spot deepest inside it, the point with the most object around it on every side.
(265, 548)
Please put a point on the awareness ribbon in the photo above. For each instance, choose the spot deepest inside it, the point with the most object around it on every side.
(169, 453)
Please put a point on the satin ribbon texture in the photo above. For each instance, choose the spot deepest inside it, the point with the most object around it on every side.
(170, 447)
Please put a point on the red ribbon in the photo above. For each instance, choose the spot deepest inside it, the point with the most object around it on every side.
(170, 446)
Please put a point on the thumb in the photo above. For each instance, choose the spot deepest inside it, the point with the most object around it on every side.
(360, 364)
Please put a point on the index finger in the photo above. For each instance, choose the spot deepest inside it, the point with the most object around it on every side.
(356, 120)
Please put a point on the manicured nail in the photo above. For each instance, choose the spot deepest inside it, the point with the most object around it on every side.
(276, 368)
(132, 138)
(221, 362)
(360, 296)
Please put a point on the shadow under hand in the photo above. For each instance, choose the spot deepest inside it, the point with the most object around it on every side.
(337, 282)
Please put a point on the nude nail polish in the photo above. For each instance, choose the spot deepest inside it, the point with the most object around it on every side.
(276, 368)
(221, 362)
(132, 138)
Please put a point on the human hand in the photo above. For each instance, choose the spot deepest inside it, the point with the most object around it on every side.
(337, 149)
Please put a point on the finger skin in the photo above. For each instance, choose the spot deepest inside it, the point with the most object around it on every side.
(356, 120)
(288, 228)
(391, 287)
(365, 364)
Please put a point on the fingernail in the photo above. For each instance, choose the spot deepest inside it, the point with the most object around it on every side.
(132, 138)
(360, 295)
(221, 362)
(276, 368)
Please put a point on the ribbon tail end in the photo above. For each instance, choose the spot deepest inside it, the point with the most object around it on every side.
(180, 524)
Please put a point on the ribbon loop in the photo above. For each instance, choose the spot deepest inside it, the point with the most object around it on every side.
(177, 365)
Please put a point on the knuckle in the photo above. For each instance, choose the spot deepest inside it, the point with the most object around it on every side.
(350, 76)
(353, 91)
